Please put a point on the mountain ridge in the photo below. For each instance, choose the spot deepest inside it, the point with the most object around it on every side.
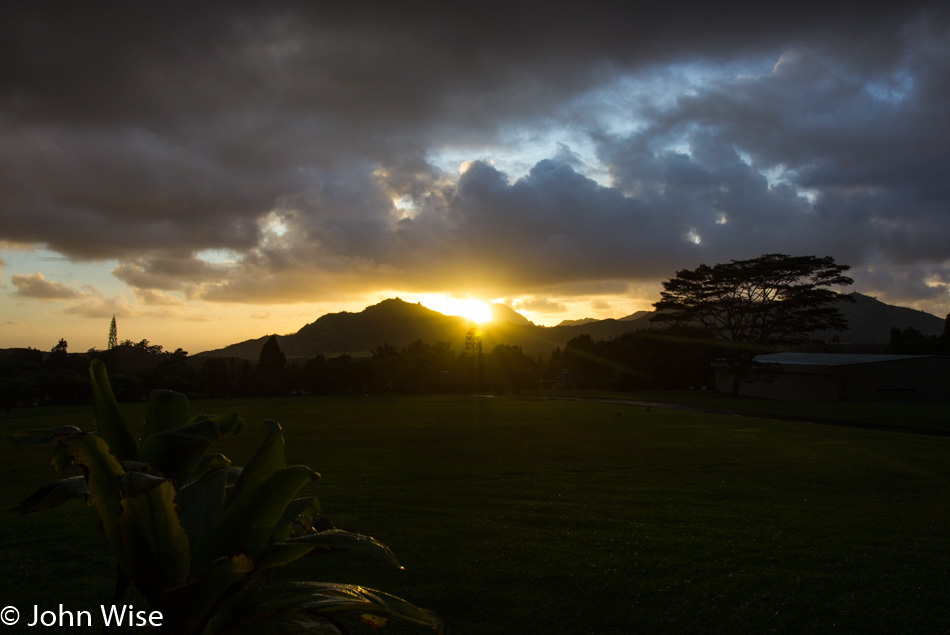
(398, 323)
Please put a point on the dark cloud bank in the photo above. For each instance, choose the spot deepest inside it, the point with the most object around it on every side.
(283, 134)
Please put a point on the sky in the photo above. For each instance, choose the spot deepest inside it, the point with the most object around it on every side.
(213, 172)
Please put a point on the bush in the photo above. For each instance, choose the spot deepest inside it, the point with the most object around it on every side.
(196, 535)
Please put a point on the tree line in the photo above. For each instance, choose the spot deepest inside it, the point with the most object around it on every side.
(728, 313)
(668, 358)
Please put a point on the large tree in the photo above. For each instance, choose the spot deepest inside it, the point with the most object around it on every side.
(757, 305)
(271, 373)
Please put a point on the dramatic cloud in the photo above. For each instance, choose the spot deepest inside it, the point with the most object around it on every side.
(287, 152)
(150, 297)
(35, 285)
(101, 308)
(540, 305)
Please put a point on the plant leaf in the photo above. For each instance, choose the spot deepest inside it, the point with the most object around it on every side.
(209, 462)
(54, 494)
(279, 554)
(136, 466)
(199, 505)
(110, 423)
(302, 509)
(167, 409)
(340, 539)
(339, 600)
(45, 436)
(248, 522)
(154, 545)
(177, 452)
(268, 459)
(194, 601)
(101, 471)
(373, 620)
(285, 623)
(61, 459)
(228, 422)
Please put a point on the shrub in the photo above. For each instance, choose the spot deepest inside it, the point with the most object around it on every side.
(195, 534)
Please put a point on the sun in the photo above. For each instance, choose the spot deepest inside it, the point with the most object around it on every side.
(475, 310)
(471, 309)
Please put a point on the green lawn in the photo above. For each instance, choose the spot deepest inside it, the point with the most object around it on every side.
(518, 516)
(931, 418)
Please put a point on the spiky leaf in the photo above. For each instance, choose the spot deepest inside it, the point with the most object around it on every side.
(336, 600)
(167, 409)
(228, 422)
(54, 494)
(297, 517)
(45, 436)
(154, 544)
(199, 505)
(102, 472)
(286, 623)
(340, 539)
(209, 463)
(177, 452)
(279, 554)
(110, 423)
(267, 459)
(250, 519)
(189, 605)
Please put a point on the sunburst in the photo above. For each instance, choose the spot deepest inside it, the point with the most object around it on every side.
(469, 308)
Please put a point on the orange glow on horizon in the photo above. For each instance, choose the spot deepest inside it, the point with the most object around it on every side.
(468, 308)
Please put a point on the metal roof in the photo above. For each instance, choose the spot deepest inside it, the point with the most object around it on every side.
(832, 359)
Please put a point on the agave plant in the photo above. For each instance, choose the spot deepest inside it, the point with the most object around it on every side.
(196, 535)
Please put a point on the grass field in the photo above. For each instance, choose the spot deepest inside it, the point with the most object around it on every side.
(519, 516)
(930, 418)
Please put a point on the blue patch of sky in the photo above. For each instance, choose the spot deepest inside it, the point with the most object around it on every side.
(778, 174)
(217, 256)
(58, 268)
(623, 106)
(895, 89)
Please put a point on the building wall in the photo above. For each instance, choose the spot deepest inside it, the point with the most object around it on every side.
(921, 379)
(805, 384)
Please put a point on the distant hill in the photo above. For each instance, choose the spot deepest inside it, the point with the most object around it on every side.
(639, 315)
(391, 321)
(870, 320)
(400, 323)
(630, 318)
(504, 313)
(580, 322)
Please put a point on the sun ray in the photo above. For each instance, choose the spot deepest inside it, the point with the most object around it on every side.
(469, 308)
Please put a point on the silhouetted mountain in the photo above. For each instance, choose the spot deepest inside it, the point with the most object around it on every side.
(870, 320)
(638, 315)
(503, 313)
(400, 323)
(580, 322)
(390, 322)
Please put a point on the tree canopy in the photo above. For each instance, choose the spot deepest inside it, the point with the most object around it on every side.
(758, 304)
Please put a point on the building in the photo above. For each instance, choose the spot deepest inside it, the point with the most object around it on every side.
(846, 377)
